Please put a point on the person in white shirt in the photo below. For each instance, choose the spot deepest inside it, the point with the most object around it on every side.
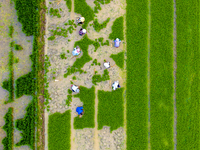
(115, 85)
(106, 65)
(81, 20)
(75, 88)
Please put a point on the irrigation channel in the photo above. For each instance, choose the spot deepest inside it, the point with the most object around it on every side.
(157, 106)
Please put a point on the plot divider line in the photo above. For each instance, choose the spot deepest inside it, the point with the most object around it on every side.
(174, 73)
(148, 75)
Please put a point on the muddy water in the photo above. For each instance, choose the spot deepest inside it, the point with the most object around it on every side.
(8, 16)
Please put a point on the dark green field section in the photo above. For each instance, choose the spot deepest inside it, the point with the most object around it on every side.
(110, 109)
(87, 96)
(188, 75)
(59, 131)
(161, 75)
(137, 69)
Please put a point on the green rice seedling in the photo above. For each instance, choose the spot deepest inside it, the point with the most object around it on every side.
(8, 141)
(87, 96)
(69, 91)
(28, 15)
(113, 103)
(82, 8)
(187, 75)
(137, 68)
(67, 51)
(16, 60)
(74, 78)
(12, 44)
(117, 29)
(54, 12)
(69, 4)
(59, 131)
(27, 126)
(62, 56)
(98, 78)
(98, 26)
(161, 75)
(119, 59)
(95, 61)
(51, 38)
(18, 47)
(11, 30)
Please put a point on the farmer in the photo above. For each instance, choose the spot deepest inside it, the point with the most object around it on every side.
(80, 20)
(82, 32)
(80, 111)
(106, 65)
(115, 85)
(117, 41)
(75, 88)
(76, 51)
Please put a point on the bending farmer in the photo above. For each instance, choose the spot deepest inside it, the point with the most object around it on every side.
(80, 111)
(82, 32)
(117, 41)
(106, 65)
(80, 20)
(76, 51)
(75, 88)
(115, 85)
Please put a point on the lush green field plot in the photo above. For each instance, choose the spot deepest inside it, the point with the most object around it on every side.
(137, 99)
(188, 75)
(117, 29)
(27, 126)
(8, 128)
(161, 75)
(111, 109)
(119, 59)
(59, 131)
(87, 96)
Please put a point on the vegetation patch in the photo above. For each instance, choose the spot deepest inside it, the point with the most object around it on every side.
(98, 78)
(27, 126)
(69, 97)
(80, 62)
(81, 7)
(54, 12)
(187, 76)
(117, 29)
(97, 26)
(95, 63)
(161, 75)
(87, 96)
(59, 131)
(119, 59)
(69, 4)
(9, 129)
(47, 97)
(110, 109)
(28, 15)
(62, 56)
(137, 68)
(11, 30)
(98, 6)
(25, 85)
(18, 47)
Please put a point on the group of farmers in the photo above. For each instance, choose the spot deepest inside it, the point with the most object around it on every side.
(76, 52)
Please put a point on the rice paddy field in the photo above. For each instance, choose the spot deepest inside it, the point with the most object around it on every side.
(157, 63)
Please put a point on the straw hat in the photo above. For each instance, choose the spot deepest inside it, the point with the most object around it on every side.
(82, 19)
(84, 31)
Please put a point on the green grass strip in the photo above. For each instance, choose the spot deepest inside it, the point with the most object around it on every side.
(111, 109)
(119, 59)
(137, 54)
(8, 141)
(87, 96)
(27, 126)
(69, 4)
(82, 8)
(161, 75)
(188, 75)
(59, 131)
(117, 29)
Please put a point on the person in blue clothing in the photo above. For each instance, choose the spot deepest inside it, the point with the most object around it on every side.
(117, 41)
(80, 111)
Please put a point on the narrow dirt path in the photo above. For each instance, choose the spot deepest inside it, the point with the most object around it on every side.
(175, 68)
(96, 132)
(148, 75)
